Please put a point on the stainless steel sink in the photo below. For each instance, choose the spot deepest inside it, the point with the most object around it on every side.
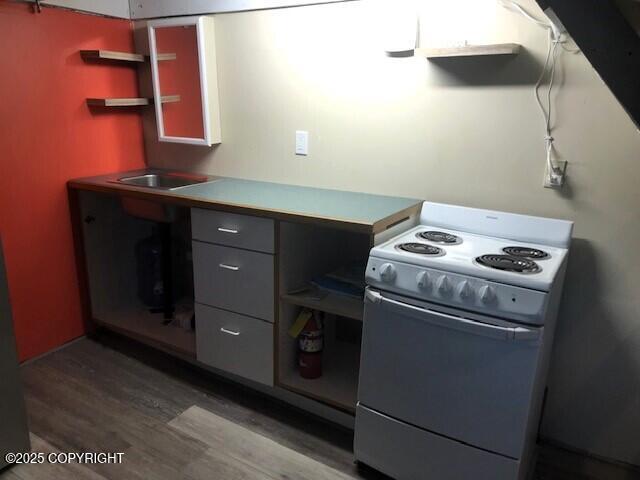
(162, 181)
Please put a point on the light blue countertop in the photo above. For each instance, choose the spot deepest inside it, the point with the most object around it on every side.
(365, 212)
(314, 202)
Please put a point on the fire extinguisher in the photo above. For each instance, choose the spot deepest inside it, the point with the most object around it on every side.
(310, 345)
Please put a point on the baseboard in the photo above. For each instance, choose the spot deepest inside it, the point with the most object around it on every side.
(558, 460)
(53, 350)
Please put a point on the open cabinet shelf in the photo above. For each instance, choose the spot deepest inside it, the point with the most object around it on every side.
(137, 321)
(469, 50)
(308, 252)
(112, 56)
(116, 244)
(338, 385)
(334, 303)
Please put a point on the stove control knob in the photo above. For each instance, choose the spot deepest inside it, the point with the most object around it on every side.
(387, 272)
(423, 280)
(487, 294)
(465, 291)
(443, 285)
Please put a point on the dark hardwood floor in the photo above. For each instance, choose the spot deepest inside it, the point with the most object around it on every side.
(111, 394)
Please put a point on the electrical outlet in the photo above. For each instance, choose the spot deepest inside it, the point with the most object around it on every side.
(555, 179)
(302, 142)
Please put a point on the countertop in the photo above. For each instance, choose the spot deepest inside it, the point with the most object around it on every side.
(361, 212)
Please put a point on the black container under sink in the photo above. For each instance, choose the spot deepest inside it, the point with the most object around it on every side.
(158, 257)
(151, 288)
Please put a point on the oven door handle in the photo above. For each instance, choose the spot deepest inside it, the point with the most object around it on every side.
(455, 323)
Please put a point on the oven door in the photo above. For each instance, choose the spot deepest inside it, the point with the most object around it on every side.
(463, 376)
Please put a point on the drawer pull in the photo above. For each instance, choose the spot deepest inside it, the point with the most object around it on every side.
(229, 267)
(229, 332)
(227, 230)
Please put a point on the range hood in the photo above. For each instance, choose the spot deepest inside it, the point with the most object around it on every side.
(607, 33)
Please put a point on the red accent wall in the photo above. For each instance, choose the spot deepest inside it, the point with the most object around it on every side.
(47, 136)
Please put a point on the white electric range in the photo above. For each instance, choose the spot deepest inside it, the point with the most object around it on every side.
(459, 319)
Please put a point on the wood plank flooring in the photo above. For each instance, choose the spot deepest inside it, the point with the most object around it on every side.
(263, 456)
(172, 420)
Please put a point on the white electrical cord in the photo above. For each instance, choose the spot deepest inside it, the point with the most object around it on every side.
(554, 39)
(546, 113)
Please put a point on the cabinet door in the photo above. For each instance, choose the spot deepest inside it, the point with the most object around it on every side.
(184, 75)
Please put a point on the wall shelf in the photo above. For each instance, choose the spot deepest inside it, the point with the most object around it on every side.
(166, 56)
(129, 102)
(111, 55)
(334, 303)
(469, 50)
(117, 102)
(168, 99)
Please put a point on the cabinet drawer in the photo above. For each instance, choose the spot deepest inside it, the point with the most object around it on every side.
(234, 279)
(242, 231)
(235, 343)
(407, 452)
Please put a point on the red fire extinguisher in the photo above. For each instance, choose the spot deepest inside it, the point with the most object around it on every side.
(310, 345)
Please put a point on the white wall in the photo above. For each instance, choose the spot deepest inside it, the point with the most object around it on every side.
(466, 133)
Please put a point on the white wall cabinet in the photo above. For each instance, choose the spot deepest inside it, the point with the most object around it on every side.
(183, 68)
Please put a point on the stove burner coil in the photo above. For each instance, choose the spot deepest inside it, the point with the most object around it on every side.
(526, 252)
(440, 237)
(421, 249)
(509, 263)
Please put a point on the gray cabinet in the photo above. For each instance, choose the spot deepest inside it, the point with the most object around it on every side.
(234, 271)
(235, 343)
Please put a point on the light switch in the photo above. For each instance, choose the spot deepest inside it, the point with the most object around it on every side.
(302, 142)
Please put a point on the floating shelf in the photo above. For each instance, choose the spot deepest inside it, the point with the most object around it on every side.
(334, 303)
(111, 55)
(166, 56)
(469, 50)
(129, 102)
(117, 102)
(168, 99)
